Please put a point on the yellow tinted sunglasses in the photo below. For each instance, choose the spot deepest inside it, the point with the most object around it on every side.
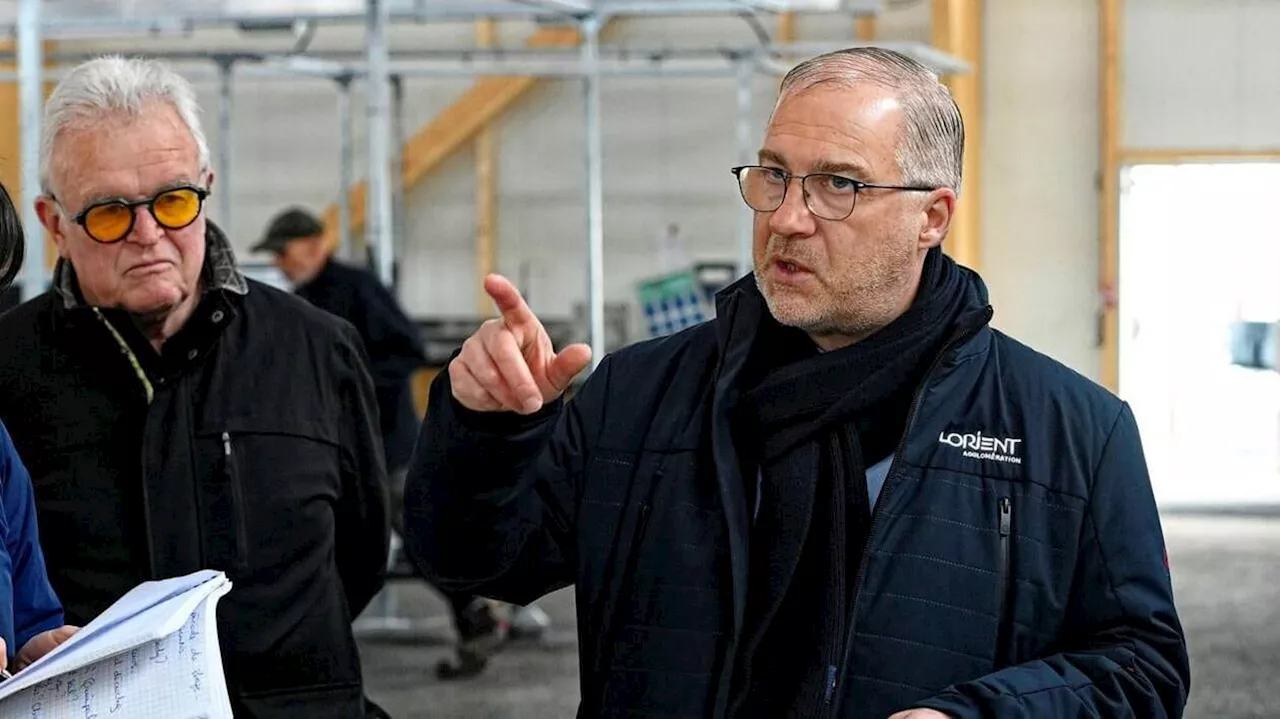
(112, 220)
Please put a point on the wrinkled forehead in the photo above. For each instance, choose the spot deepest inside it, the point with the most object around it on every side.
(123, 155)
(832, 123)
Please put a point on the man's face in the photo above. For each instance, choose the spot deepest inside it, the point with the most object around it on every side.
(153, 270)
(841, 280)
(301, 259)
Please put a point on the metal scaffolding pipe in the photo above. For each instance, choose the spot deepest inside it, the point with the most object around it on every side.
(746, 156)
(226, 71)
(346, 174)
(397, 173)
(595, 188)
(31, 101)
(379, 232)
(100, 24)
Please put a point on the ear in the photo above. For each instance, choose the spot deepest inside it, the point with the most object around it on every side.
(208, 180)
(937, 217)
(53, 221)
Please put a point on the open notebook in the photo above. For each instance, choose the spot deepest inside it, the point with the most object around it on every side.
(154, 653)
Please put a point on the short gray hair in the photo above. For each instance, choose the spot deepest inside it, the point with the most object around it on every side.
(113, 84)
(931, 146)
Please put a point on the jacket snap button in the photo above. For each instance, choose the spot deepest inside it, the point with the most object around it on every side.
(192, 354)
(217, 315)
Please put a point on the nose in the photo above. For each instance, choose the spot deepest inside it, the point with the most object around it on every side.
(146, 231)
(793, 216)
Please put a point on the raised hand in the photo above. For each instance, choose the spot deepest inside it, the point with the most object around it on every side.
(509, 365)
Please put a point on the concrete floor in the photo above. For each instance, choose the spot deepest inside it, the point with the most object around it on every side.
(1224, 574)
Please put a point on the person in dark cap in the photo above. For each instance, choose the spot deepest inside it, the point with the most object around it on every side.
(296, 240)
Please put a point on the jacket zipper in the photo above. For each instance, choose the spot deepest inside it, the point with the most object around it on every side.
(1006, 558)
(240, 560)
(833, 694)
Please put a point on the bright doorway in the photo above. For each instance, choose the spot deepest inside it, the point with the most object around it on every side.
(1199, 259)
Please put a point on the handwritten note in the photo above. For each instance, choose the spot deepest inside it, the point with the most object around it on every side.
(178, 676)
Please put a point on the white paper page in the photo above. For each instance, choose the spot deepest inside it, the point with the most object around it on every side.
(150, 611)
(177, 677)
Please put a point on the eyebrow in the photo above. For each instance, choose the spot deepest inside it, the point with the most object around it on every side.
(771, 156)
(95, 199)
(821, 166)
(841, 168)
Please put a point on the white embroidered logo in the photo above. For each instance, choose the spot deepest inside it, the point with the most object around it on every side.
(977, 446)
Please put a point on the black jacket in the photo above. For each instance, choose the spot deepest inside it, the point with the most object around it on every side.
(392, 342)
(256, 454)
(1015, 565)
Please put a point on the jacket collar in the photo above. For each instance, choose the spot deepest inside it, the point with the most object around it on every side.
(220, 271)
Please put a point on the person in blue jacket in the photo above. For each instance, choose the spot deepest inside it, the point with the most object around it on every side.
(31, 622)
(847, 495)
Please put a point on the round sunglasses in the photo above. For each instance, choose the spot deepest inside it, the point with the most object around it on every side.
(112, 220)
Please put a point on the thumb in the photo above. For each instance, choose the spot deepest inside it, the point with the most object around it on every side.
(566, 365)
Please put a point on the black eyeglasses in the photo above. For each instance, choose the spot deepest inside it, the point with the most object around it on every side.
(828, 196)
(112, 220)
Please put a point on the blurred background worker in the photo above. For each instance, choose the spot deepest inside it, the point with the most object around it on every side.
(296, 239)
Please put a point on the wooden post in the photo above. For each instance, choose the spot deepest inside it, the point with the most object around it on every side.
(486, 158)
(11, 145)
(957, 29)
(865, 28)
(1172, 156)
(1109, 12)
(786, 28)
(10, 132)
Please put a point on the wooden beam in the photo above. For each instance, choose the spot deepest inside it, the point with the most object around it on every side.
(957, 29)
(11, 143)
(486, 159)
(454, 127)
(10, 132)
(1109, 12)
(1155, 156)
(786, 31)
(865, 28)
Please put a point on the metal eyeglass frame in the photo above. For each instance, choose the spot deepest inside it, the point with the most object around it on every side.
(787, 177)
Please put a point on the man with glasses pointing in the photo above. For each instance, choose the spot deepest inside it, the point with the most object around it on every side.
(846, 495)
(177, 416)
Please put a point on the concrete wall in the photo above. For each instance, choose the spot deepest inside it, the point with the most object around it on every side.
(1201, 75)
(1040, 201)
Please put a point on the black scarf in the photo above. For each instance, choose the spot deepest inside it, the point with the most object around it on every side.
(809, 424)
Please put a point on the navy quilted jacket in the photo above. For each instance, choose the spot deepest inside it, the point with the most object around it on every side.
(1015, 566)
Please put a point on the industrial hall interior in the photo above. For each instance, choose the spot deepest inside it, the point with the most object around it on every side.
(716, 359)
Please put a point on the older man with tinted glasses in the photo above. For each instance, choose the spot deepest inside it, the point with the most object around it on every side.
(176, 416)
(846, 495)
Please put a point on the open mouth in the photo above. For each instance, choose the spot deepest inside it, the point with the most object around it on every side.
(791, 268)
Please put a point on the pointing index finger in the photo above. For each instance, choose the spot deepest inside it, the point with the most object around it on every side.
(515, 312)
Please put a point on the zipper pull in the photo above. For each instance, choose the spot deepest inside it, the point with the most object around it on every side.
(226, 444)
(1006, 516)
(831, 682)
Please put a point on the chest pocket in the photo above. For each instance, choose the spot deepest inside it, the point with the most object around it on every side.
(269, 492)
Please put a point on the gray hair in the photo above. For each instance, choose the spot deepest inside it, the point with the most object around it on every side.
(931, 145)
(110, 85)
